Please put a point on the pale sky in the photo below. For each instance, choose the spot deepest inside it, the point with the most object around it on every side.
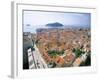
(34, 18)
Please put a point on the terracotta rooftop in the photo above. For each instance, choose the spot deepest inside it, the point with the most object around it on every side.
(60, 61)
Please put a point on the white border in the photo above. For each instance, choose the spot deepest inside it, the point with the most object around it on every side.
(17, 67)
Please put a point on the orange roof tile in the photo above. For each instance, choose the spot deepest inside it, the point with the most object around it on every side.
(60, 61)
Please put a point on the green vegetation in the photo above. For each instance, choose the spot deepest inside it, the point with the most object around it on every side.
(54, 53)
(78, 52)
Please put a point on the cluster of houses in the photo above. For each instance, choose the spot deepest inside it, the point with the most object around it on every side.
(56, 39)
(67, 40)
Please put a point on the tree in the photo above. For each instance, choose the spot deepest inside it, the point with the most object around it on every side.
(78, 52)
(54, 53)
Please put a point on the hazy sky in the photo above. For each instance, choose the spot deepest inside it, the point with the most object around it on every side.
(34, 18)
